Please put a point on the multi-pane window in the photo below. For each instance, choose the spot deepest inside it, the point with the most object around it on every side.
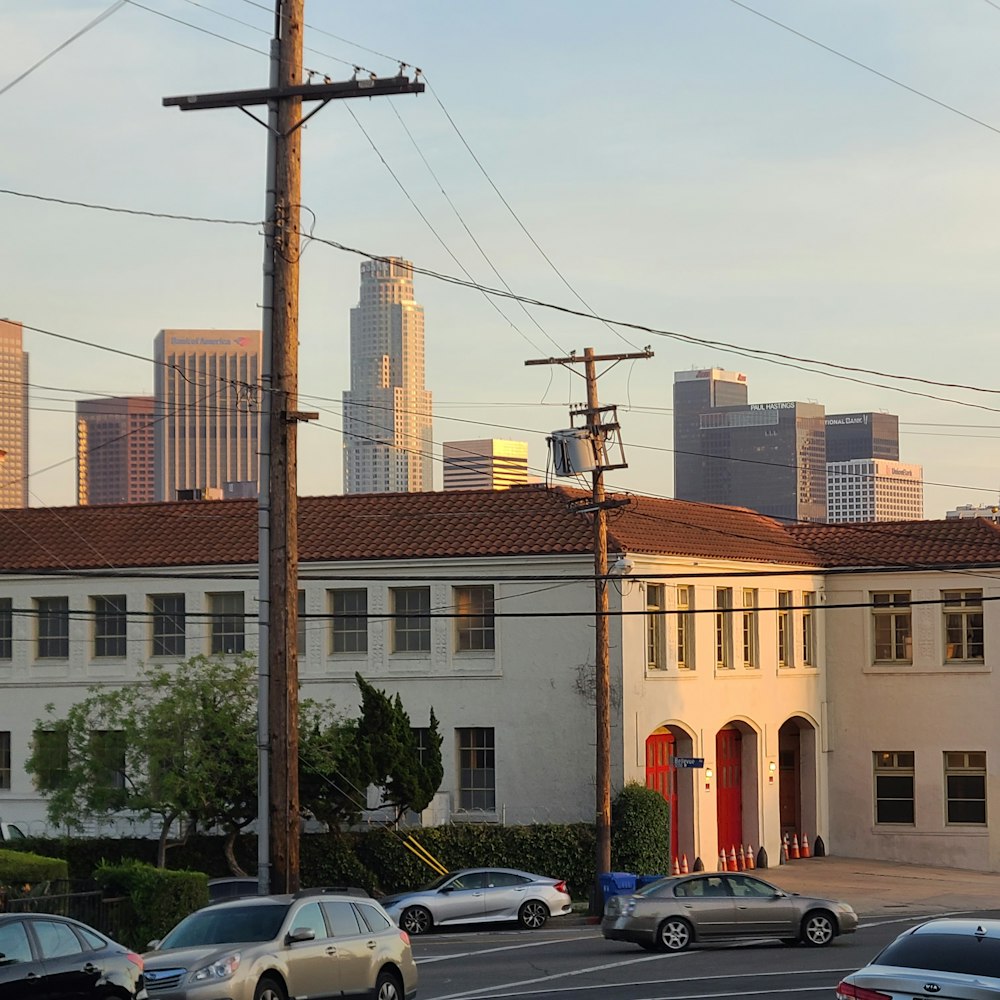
(107, 748)
(892, 627)
(685, 627)
(656, 656)
(167, 613)
(227, 622)
(963, 624)
(411, 608)
(110, 623)
(476, 769)
(785, 628)
(349, 628)
(52, 615)
(965, 786)
(6, 628)
(808, 648)
(51, 753)
(724, 627)
(749, 627)
(474, 618)
(5, 760)
(893, 786)
(300, 626)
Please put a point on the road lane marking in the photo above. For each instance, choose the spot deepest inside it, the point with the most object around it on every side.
(491, 951)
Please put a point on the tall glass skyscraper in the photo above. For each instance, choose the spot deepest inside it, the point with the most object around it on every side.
(13, 417)
(115, 458)
(207, 426)
(387, 410)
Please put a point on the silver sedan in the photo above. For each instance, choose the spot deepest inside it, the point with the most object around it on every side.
(478, 895)
(670, 914)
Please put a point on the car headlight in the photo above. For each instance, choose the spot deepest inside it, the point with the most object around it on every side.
(222, 968)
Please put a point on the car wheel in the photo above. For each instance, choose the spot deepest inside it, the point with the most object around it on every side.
(416, 920)
(388, 986)
(818, 928)
(533, 915)
(674, 934)
(269, 989)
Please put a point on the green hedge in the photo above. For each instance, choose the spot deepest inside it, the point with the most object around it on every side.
(159, 897)
(640, 831)
(21, 868)
(376, 860)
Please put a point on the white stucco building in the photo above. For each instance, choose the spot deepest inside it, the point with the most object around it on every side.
(725, 653)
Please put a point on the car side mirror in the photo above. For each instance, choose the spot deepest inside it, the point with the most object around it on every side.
(301, 934)
(153, 945)
(447, 888)
(778, 894)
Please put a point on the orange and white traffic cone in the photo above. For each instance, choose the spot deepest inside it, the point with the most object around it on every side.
(684, 864)
(794, 854)
(722, 859)
(805, 846)
(750, 864)
(741, 859)
(675, 868)
(733, 867)
(784, 849)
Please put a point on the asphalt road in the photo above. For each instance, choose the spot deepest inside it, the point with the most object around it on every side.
(575, 962)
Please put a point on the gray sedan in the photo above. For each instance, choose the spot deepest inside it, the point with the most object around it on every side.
(670, 914)
(478, 895)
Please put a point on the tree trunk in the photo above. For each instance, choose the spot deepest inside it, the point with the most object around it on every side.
(230, 852)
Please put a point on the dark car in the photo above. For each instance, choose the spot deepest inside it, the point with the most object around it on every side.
(42, 955)
(948, 957)
(232, 887)
(671, 914)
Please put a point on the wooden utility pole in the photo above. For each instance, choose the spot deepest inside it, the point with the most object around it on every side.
(278, 713)
(598, 430)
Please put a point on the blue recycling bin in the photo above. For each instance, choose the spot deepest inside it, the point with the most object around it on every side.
(642, 880)
(617, 884)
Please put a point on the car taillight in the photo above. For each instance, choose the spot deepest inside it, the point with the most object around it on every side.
(848, 990)
(135, 959)
(561, 887)
(404, 937)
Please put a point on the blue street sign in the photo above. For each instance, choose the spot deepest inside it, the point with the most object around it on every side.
(688, 761)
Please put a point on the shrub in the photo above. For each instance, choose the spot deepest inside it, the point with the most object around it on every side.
(640, 831)
(159, 897)
(19, 869)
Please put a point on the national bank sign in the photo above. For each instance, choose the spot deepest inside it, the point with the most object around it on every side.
(210, 341)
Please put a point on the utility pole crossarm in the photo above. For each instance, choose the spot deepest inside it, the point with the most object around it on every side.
(579, 358)
(379, 87)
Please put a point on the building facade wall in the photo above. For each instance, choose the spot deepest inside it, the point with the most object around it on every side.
(13, 417)
(115, 450)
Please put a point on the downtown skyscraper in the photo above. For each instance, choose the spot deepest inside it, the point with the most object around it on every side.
(13, 417)
(387, 410)
(207, 426)
(115, 456)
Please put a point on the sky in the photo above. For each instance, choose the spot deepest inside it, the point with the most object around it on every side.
(816, 179)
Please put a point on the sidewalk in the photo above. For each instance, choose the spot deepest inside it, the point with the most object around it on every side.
(880, 888)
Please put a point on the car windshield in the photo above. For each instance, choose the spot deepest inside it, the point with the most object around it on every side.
(227, 925)
(961, 953)
(437, 883)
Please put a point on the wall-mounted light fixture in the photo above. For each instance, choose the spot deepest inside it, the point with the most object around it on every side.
(772, 767)
(708, 779)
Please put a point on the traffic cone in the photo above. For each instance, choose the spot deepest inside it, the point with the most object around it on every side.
(741, 861)
(805, 846)
(794, 854)
(684, 864)
(732, 860)
(675, 868)
(784, 849)
(722, 859)
(750, 866)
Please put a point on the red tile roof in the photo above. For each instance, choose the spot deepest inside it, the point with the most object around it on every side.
(529, 520)
(913, 544)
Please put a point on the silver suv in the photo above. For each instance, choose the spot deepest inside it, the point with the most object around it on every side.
(317, 943)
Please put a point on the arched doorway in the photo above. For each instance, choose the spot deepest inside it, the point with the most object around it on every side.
(729, 787)
(676, 785)
(797, 757)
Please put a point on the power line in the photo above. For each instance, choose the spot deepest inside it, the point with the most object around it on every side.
(106, 13)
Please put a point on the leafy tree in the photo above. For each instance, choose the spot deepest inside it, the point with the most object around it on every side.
(388, 751)
(179, 747)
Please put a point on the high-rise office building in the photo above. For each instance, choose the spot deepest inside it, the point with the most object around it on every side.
(696, 392)
(114, 450)
(207, 411)
(989, 512)
(862, 435)
(491, 464)
(387, 410)
(13, 417)
(874, 489)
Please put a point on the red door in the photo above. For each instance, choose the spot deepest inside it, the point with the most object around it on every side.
(729, 798)
(661, 775)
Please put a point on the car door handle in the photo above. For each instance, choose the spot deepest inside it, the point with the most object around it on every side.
(90, 968)
(372, 945)
(331, 950)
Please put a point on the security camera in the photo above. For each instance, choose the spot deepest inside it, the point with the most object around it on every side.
(622, 566)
